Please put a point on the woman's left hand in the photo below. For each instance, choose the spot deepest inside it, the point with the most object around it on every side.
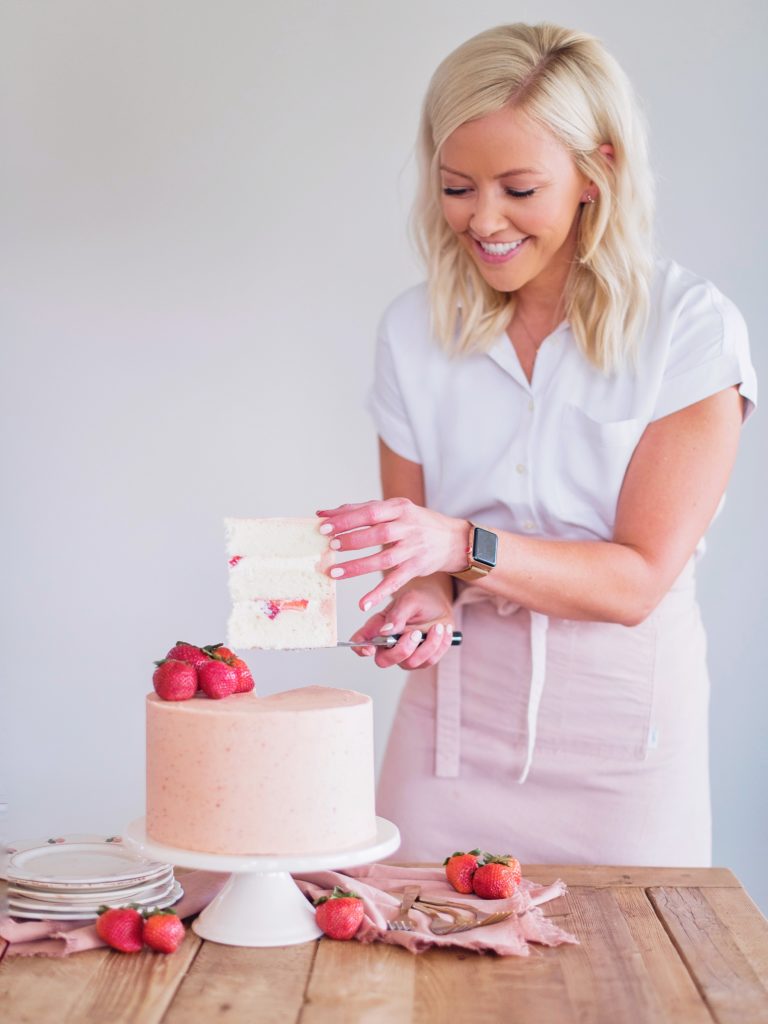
(417, 542)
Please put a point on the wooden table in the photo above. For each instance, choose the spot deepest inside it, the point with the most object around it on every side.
(657, 945)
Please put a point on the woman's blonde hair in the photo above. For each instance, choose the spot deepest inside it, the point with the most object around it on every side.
(566, 82)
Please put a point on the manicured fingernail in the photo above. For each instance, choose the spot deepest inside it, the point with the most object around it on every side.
(367, 606)
(389, 626)
(439, 628)
(326, 528)
(449, 628)
(416, 635)
(335, 544)
(337, 571)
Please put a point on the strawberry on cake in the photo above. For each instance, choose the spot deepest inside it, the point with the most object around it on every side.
(282, 596)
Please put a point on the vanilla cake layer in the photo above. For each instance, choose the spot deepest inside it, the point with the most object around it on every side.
(292, 773)
(282, 596)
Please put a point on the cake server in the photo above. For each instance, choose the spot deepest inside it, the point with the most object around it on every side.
(390, 641)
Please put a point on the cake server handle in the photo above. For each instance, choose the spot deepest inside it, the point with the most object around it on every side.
(390, 641)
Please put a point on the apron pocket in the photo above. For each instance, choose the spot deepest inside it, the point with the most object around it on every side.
(600, 697)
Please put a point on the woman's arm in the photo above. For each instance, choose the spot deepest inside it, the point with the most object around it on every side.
(673, 484)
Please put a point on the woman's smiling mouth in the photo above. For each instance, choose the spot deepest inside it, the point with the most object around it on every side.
(498, 252)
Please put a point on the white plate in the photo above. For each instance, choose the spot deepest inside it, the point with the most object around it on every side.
(142, 896)
(81, 914)
(80, 864)
(88, 894)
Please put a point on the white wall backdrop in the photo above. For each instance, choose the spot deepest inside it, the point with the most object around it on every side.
(203, 215)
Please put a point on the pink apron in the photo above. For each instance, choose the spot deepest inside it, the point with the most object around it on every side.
(557, 741)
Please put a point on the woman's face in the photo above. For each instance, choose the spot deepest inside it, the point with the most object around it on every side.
(512, 194)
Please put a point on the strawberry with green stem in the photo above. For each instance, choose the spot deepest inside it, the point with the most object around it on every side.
(340, 914)
(497, 877)
(459, 869)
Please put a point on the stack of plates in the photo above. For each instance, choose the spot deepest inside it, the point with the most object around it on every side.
(69, 878)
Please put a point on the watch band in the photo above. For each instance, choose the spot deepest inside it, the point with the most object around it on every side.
(478, 567)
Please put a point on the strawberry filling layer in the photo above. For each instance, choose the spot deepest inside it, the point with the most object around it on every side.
(272, 608)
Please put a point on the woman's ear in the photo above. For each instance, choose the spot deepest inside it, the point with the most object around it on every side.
(607, 150)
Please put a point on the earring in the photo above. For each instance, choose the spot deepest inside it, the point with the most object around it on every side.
(589, 198)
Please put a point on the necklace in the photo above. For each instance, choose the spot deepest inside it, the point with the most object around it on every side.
(528, 331)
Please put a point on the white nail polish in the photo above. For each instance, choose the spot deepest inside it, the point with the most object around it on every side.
(337, 571)
(439, 629)
(335, 544)
(326, 528)
(367, 606)
(416, 635)
(388, 628)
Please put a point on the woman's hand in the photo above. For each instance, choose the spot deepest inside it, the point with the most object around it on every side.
(423, 608)
(418, 542)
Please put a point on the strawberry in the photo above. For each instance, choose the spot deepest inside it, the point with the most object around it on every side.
(219, 652)
(272, 608)
(120, 928)
(245, 681)
(217, 679)
(459, 869)
(163, 931)
(340, 914)
(497, 877)
(174, 680)
(182, 651)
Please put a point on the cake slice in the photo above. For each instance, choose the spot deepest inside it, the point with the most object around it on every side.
(282, 596)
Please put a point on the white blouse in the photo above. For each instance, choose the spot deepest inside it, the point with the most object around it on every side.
(547, 458)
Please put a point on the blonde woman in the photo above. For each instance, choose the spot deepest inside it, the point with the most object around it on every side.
(558, 413)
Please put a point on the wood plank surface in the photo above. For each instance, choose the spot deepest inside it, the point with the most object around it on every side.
(237, 984)
(135, 988)
(723, 973)
(611, 978)
(612, 877)
(36, 990)
(356, 984)
(678, 946)
(746, 924)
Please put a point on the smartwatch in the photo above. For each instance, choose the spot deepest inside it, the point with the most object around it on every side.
(482, 553)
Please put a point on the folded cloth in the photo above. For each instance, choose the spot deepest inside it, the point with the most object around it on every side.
(380, 887)
(60, 938)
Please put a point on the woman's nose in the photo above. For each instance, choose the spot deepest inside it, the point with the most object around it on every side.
(487, 217)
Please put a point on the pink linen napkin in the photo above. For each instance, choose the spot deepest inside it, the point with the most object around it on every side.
(375, 884)
(60, 938)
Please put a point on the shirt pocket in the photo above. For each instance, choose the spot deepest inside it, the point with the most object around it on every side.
(593, 460)
(600, 689)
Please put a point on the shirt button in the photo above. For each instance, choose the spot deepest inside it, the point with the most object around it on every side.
(520, 467)
(529, 525)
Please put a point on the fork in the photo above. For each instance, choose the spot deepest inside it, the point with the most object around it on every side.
(439, 926)
(402, 923)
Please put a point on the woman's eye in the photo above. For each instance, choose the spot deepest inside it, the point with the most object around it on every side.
(516, 193)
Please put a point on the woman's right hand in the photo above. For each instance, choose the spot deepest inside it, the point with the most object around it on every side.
(422, 607)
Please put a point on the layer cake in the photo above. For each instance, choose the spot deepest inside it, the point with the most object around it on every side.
(282, 596)
(292, 773)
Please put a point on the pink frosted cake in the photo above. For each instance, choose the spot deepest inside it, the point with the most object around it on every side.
(287, 774)
(282, 596)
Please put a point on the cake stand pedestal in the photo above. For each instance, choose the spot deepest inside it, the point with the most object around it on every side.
(260, 904)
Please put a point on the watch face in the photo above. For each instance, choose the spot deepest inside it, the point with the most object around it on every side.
(485, 547)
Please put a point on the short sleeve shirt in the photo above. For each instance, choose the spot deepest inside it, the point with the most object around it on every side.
(547, 458)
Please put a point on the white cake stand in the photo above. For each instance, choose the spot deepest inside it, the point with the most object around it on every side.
(260, 904)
